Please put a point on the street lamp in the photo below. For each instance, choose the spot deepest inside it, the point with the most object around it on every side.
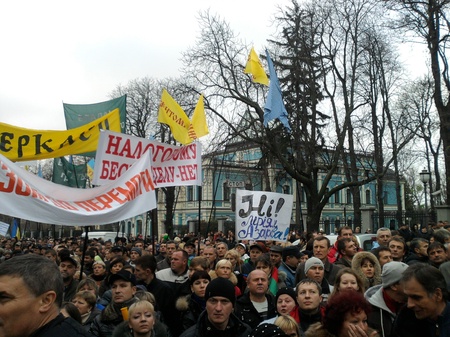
(425, 177)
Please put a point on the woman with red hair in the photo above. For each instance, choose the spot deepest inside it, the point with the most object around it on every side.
(345, 316)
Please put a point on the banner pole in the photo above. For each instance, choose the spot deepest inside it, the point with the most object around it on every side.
(199, 192)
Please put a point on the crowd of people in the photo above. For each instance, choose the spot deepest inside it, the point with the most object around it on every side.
(220, 287)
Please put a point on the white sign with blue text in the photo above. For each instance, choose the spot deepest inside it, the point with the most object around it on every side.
(263, 215)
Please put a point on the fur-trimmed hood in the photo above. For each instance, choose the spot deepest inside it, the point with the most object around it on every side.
(356, 266)
(182, 303)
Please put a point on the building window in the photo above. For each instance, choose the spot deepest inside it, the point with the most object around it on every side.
(368, 201)
(226, 191)
(286, 189)
(349, 196)
(385, 198)
(190, 193)
(337, 197)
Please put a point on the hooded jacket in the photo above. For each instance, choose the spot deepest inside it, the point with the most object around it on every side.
(381, 318)
(356, 266)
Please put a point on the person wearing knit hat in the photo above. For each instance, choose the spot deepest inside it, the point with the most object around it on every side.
(387, 298)
(219, 288)
(218, 317)
(135, 253)
(315, 270)
(313, 261)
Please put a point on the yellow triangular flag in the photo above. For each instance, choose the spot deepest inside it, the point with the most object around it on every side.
(171, 113)
(199, 126)
(255, 68)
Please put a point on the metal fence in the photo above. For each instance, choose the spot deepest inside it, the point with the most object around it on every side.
(389, 219)
(394, 219)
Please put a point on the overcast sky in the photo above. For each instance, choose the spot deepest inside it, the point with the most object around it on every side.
(78, 52)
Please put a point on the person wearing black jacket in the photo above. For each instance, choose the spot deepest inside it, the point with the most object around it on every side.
(164, 294)
(32, 292)
(218, 318)
(256, 305)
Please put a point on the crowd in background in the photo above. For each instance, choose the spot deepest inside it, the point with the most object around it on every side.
(306, 286)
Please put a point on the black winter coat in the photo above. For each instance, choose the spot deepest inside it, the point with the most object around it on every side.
(248, 314)
(61, 326)
(203, 328)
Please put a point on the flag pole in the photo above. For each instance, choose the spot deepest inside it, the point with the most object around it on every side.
(199, 192)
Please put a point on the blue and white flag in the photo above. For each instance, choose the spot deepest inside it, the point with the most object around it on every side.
(274, 107)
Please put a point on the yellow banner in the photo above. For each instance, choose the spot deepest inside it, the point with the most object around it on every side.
(19, 144)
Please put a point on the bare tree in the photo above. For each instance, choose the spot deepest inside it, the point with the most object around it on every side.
(429, 21)
(316, 52)
(143, 98)
(421, 117)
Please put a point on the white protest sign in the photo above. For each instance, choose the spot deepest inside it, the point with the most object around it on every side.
(171, 165)
(27, 196)
(3, 228)
(263, 215)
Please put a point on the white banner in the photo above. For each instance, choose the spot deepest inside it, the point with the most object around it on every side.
(3, 228)
(263, 215)
(27, 196)
(171, 165)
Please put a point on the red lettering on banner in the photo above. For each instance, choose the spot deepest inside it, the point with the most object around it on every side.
(113, 194)
(147, 181)
(17, 185)
(11, 182)
(126, 150)
(188, 172)
(22, 188)
(111, 170)
(163, 174)
(113, 144)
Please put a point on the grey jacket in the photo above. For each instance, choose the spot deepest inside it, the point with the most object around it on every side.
(381, 318)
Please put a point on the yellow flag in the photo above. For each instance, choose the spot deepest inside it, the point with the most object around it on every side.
(198, 127)
(255, 68)
(173, 115)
